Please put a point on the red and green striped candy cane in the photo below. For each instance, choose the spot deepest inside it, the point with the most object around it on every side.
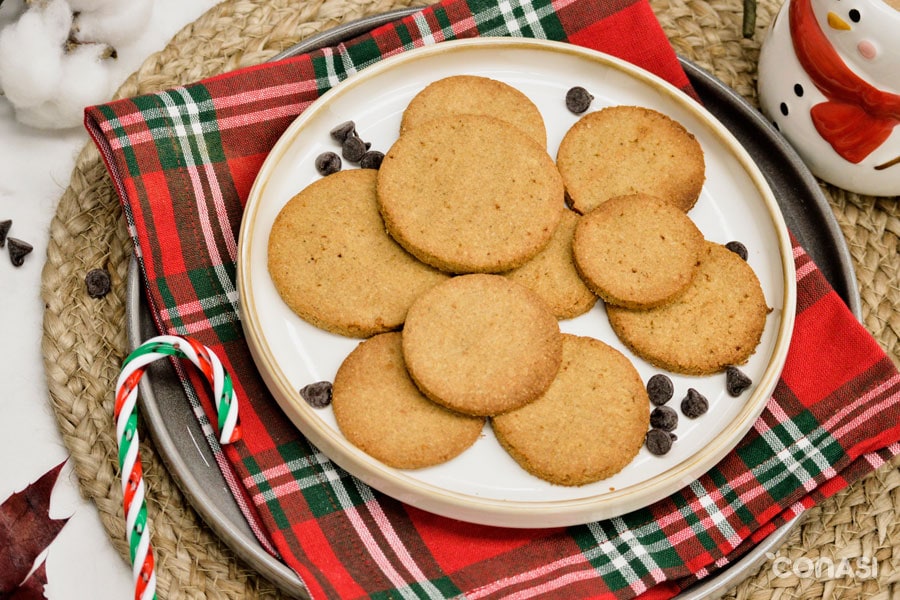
(133, 488)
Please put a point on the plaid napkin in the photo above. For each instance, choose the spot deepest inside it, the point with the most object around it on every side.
(183, 161)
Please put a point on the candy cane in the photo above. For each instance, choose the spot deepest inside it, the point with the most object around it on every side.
(133, 489)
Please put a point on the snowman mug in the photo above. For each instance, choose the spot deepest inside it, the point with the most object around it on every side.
(829, 80)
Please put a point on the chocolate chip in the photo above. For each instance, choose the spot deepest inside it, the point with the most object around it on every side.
(578, 100)
(317, 395)
(371, 159)
(694, 404)
(328, 163)
(660, 389)
(17, 250)
(353, 148)
(343, 131)
(97, 283)
(658, 442)
(4, 229)
(736, 382)
(738, 248)
(663, 417)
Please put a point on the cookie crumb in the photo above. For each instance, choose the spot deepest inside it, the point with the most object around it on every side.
(18, 249)
(317, 395)
(97, 283)
(736, 381)
(694, 404)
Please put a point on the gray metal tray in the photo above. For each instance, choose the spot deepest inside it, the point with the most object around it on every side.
(180, 441)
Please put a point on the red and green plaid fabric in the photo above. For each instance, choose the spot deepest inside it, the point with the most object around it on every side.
(183, 161)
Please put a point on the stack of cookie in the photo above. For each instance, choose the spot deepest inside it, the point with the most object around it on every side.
(463, 241)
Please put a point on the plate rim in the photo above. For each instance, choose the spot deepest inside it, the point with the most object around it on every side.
(490, 511)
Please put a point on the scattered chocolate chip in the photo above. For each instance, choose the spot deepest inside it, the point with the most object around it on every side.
(17, 250)
(660, 389)
(658, 442)
(694, 404)
(371, 159)
(663, 417)
(317, 395)
(673, 436)
(328, 163)
(578, 100)
(353, 148)
(738, 248)
(4, 229)
(343, 131)
(97, 283)
(736, 382)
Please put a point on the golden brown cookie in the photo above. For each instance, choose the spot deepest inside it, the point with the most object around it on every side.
(589, 424)
(637, 251)
(379, 410)
(469, 193)
(333, 263)
(474, 95)
(718, 321)
(629, 149)
(552, 274)
(481, 344)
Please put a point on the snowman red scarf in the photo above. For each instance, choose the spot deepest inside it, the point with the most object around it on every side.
(857, 117)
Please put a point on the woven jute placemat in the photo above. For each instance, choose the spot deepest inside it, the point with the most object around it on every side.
(84, 339)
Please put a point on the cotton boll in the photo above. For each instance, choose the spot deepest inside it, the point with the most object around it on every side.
(85, 81)
(31, 51)
(45, 115)
(90, 5)
(114, 22)
(10, 11)
(47, 83)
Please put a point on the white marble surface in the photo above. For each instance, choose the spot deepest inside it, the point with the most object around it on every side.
(35, 167)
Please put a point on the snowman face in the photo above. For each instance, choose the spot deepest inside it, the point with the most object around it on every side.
(851, 157)
(864, 33)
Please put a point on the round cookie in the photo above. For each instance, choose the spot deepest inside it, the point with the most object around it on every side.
(589, 424)
(718, 321)
(637, 251)
(481, 344)
(474, 95)
(552, 274)
(379, 410)
(468, 193)
(333, 263)
(629, 149)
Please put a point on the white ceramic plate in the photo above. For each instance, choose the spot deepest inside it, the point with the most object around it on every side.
(484, 485)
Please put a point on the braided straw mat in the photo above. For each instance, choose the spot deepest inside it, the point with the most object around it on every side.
(84, 340)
